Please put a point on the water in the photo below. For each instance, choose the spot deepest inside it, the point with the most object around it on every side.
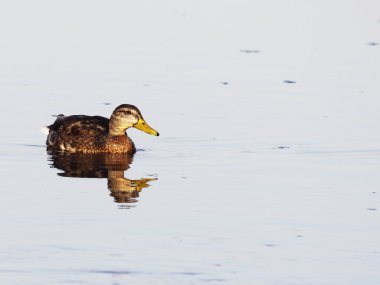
(256, 181)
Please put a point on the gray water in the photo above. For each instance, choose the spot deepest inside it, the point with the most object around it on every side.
(266, 168)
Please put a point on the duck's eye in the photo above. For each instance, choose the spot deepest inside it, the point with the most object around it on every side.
(126, 112)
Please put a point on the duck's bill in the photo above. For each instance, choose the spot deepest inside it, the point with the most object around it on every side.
(143, 126)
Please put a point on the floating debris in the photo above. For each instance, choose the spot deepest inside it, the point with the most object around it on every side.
(289, 81)
(106, 103)
(373, 44)
(249, 51)
(214, 280)
(281, 147)
(371, 209)
(225, 83)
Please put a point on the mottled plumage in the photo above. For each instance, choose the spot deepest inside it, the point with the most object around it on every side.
(95, 134)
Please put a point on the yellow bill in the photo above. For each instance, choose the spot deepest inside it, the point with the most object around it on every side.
(143, 126)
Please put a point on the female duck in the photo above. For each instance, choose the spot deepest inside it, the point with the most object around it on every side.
(95, 134)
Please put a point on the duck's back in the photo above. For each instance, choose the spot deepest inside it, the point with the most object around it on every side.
(77, 132)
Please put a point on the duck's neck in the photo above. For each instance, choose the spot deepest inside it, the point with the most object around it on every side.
(116, 128)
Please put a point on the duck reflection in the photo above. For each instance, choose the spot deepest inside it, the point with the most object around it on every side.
(103, 165)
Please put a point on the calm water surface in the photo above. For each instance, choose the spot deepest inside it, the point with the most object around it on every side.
(252, 181)
(213, 211)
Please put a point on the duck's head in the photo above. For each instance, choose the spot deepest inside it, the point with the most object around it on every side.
(126, 116)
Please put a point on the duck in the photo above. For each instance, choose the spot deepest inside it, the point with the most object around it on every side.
(97, 134)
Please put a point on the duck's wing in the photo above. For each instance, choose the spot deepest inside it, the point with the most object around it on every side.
(80, 124)
(68, 129)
